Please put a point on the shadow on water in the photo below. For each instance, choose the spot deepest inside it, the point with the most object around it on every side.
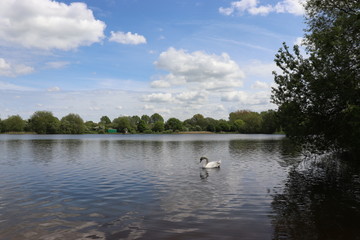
(321, 200)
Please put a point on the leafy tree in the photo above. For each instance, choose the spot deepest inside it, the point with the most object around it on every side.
(239, 125)
(14, 124)
(72, 124)
(156, 118)
(252, 120)
(43, 122)
(269, 122)
(173, 124)
(142, 126)
(319, 96)
(123, 124)
(159, 126)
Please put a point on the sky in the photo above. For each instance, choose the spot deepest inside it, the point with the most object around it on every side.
(117, 58)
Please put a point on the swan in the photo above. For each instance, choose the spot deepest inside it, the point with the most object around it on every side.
(207, 164)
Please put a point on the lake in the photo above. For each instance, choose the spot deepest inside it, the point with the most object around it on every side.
(152, 187)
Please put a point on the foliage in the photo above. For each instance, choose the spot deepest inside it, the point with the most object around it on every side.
(123, 124)
(72, 124)
(319, 96)
(43, 122)
(158, 126)
(13, 124)
(173, 124)
(251, 121)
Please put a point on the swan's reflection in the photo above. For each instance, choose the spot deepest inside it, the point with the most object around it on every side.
(205, 172)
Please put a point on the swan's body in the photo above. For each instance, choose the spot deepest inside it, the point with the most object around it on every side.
(207, 164)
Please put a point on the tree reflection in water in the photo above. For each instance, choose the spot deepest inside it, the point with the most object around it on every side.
(320, 201)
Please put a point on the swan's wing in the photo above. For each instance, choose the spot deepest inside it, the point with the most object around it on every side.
(213, 164)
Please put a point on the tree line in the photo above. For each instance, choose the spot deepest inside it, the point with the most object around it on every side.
(241, 121)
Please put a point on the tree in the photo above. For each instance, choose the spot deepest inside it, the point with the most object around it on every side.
(269, 122)
(173, 124)
(142, 126)
(159, 126)
(14, 124)
(123, 124)
(43, 122)
(72, 124)
(319, 96)
(156, 118)
(252, 120)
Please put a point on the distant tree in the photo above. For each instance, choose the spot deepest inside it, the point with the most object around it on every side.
(90, 126)
(240, 126)
(173, 124)
(223, 125)
(158, 126)
(251, 119)
(270, 122)
(156, 118)
(134, 122)
(123, 124)
(145, 118)
(14, 124)
(105, 120)
(72, 124)
(43, 122)
(142, 126)
(1, 126)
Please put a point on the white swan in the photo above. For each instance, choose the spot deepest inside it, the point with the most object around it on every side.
(207, 164)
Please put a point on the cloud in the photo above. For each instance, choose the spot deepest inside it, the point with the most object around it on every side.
(260, 85)
(158, 97)
(192, 96)
(57, 65)
(202, 70)
(127, 38)
(12, 70)
(241, 97)
(46, 24)
(53, 89)
(252, 7)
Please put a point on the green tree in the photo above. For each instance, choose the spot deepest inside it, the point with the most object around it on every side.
(156, 118)
(319, 96)
(158, 126)
(72, 124)
(173, 124)
(14, 124)
(44, 122)
(251, 119)
(142, 126)
(123, 124)
(270, 122)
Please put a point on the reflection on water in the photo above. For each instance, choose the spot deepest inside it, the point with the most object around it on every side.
(321, 200)
(153, 187)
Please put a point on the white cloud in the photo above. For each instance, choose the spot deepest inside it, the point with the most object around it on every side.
(207, 71)
(46, 24)
(9, 86)
(192, 96)
(53, 89)
(57, 65)
(127, 38)
(252, 7)
(158, 97)
(257, 98)
(260, 85)
(12, 70)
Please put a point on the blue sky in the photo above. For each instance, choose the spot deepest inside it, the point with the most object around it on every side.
(134, 57)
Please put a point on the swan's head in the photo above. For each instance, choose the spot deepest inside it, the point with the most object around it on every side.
(203, 158)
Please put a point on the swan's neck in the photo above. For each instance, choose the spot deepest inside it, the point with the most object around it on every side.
(205, 161)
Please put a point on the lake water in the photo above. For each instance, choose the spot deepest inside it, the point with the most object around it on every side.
(152, 187)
